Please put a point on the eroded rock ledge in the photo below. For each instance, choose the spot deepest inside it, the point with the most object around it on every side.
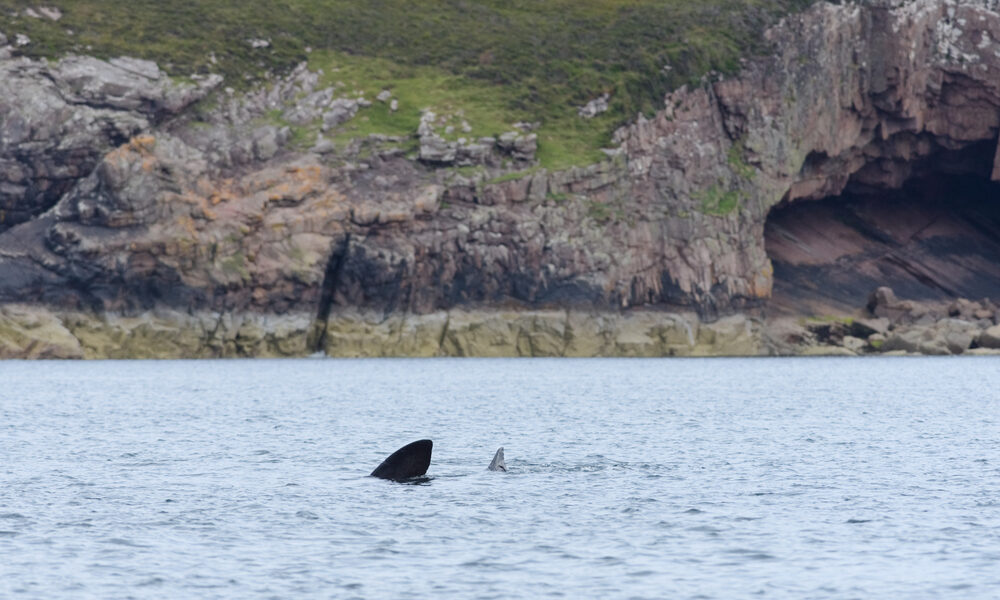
(156, 210)
(32, 332)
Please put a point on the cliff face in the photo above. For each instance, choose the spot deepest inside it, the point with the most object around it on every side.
(859, 96)
(124, 202)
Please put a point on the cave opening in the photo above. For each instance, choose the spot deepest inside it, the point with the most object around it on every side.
(935, 237)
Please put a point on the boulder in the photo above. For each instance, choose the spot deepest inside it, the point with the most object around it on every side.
(917, 340)
(990, 338)
(435, 149)
(963, 308)
(854, 344)
(786, 337)
(341, 111)
(267, 141)
(594, 107)
(986, 314)
(864, 328)
(469, 154)
(829, 332)
(876, 341)
(518, 146)
(957, 334)
(883, 303)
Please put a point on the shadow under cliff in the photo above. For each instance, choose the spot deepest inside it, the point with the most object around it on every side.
(936, 238)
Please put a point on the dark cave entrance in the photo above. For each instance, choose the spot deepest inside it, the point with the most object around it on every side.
(935, 238)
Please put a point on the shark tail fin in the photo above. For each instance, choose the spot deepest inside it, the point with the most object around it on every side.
(498, 463)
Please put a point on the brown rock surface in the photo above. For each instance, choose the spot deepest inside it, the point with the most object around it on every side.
(230, 217)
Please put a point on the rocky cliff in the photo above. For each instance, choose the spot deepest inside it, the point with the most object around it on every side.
(154, 217)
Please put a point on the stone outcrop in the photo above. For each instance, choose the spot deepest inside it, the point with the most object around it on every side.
(59, 119)
(127, 202)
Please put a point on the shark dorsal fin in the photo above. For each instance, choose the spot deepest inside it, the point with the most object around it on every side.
(409, 461)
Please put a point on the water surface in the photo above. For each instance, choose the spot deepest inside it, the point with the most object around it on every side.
(719, 478)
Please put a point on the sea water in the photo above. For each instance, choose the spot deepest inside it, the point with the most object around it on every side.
(674, 478)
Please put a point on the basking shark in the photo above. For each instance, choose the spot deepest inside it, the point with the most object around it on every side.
(413, 459)
(498, 463)
(408, 462)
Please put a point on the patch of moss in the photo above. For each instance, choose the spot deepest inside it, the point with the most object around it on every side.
(599, 211)
(716, 201)
(235, 264)
(737, 163)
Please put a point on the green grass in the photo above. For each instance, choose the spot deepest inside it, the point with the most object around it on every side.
(513, 175)
(489, 110)
(716, 201)
(737, 163)
(499, 61)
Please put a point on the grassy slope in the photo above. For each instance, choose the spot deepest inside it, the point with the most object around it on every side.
(499, 61)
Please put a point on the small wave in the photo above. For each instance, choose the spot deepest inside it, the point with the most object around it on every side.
(751, 554)
(706, 529)
(9, 533)
(124, 542)
(84, 523)
(480, 562)
(856, 521)
(305, 514)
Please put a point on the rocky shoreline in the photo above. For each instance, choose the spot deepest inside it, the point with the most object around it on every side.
(144, 216)
(886, 327)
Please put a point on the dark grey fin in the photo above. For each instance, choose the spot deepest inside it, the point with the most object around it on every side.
(409, 461)
(498, 463)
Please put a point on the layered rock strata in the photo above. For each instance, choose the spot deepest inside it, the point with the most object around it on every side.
(129, 204)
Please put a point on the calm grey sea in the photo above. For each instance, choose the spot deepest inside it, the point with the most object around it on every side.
(718, 478)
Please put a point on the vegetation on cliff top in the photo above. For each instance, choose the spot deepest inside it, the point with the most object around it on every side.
(527, 60)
